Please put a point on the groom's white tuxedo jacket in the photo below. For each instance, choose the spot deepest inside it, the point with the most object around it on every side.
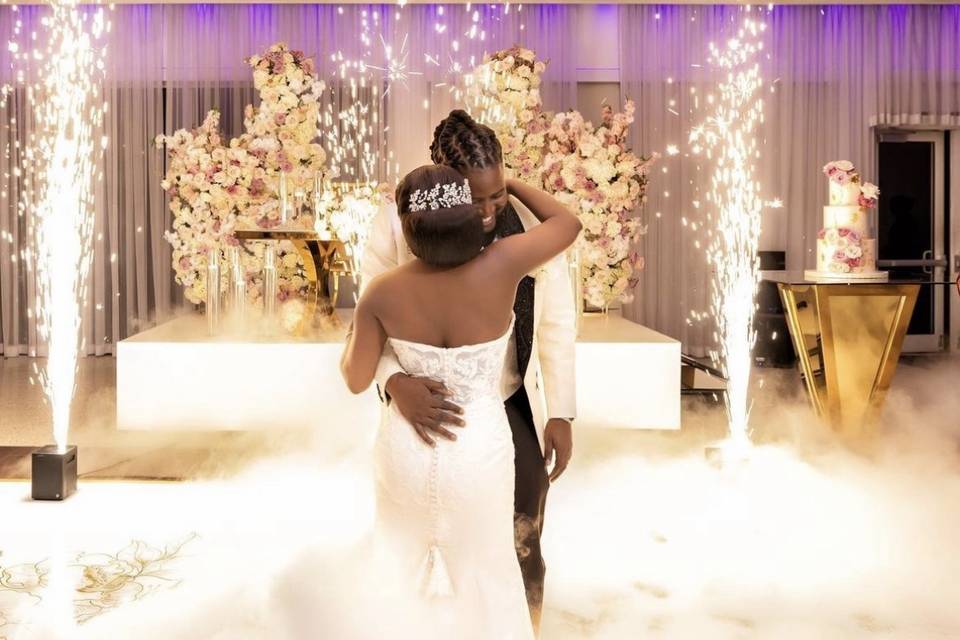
(549, 379)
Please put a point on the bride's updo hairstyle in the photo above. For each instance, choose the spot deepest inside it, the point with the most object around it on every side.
(440, 223)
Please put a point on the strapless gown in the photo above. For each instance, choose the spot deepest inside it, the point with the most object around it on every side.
(446, 513)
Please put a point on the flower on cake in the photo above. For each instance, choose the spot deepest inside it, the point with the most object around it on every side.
(849, 234)
(839, 264)
(869, 195)
(853, 251)
(841, 171)
(845, 245)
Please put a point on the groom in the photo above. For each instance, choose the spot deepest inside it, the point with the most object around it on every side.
(539, 378)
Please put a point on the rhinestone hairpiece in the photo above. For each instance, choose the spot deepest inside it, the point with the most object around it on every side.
(441, 196)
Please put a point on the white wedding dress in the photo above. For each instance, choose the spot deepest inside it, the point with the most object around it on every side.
(446, 513)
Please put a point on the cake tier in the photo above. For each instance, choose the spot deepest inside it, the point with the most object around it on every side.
(846, 257)
(844, 194)
(852, 217)
(827, 276)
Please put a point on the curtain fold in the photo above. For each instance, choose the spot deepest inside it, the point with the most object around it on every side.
(838, 72)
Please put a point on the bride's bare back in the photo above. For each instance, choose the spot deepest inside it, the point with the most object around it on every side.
(469, 304)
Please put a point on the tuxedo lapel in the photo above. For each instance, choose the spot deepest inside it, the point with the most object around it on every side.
(510, 224)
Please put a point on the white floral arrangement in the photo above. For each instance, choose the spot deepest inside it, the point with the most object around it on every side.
(589, 168)
(215, 189)
(504, 93)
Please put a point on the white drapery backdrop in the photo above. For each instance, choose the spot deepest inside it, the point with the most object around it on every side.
(838, 71)
(167, 65)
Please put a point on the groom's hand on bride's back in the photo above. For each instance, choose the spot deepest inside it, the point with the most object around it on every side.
(423, 402)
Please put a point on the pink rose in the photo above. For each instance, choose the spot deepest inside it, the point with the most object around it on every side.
(849, 234)
(257, 188)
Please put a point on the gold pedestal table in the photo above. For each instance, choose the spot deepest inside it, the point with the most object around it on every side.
(324, 261)
(848, 337)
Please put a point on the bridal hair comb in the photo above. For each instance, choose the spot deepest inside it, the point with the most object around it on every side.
(441, 196)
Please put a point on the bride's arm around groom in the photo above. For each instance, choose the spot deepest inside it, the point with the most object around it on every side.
(554, 357)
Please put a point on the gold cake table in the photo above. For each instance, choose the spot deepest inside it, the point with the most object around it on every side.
(848, 337)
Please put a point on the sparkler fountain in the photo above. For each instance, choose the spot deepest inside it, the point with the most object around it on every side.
(60, 167)
(729, 139)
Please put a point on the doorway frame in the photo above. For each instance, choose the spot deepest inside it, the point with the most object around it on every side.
(944, 234)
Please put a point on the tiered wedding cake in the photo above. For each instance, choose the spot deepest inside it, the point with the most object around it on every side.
(847, 244)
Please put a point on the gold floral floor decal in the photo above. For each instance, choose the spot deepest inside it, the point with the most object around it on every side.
(104, 581)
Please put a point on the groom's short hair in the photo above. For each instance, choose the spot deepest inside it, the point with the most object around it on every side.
(443, 237)
(461, 142)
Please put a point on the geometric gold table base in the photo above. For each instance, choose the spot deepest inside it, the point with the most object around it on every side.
(848, 339)
(321, 260)
(324, 260)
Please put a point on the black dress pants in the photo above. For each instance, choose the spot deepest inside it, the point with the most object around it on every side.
(530, 496)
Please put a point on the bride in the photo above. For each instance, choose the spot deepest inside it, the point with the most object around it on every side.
(446, 509)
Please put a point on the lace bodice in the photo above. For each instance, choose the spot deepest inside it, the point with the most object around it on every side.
(471, 372)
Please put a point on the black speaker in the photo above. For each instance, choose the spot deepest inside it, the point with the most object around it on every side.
(774, 347)
(768, 296)
(54, 473)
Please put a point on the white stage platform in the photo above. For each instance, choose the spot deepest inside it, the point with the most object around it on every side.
(628, 376)
(175, 378)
